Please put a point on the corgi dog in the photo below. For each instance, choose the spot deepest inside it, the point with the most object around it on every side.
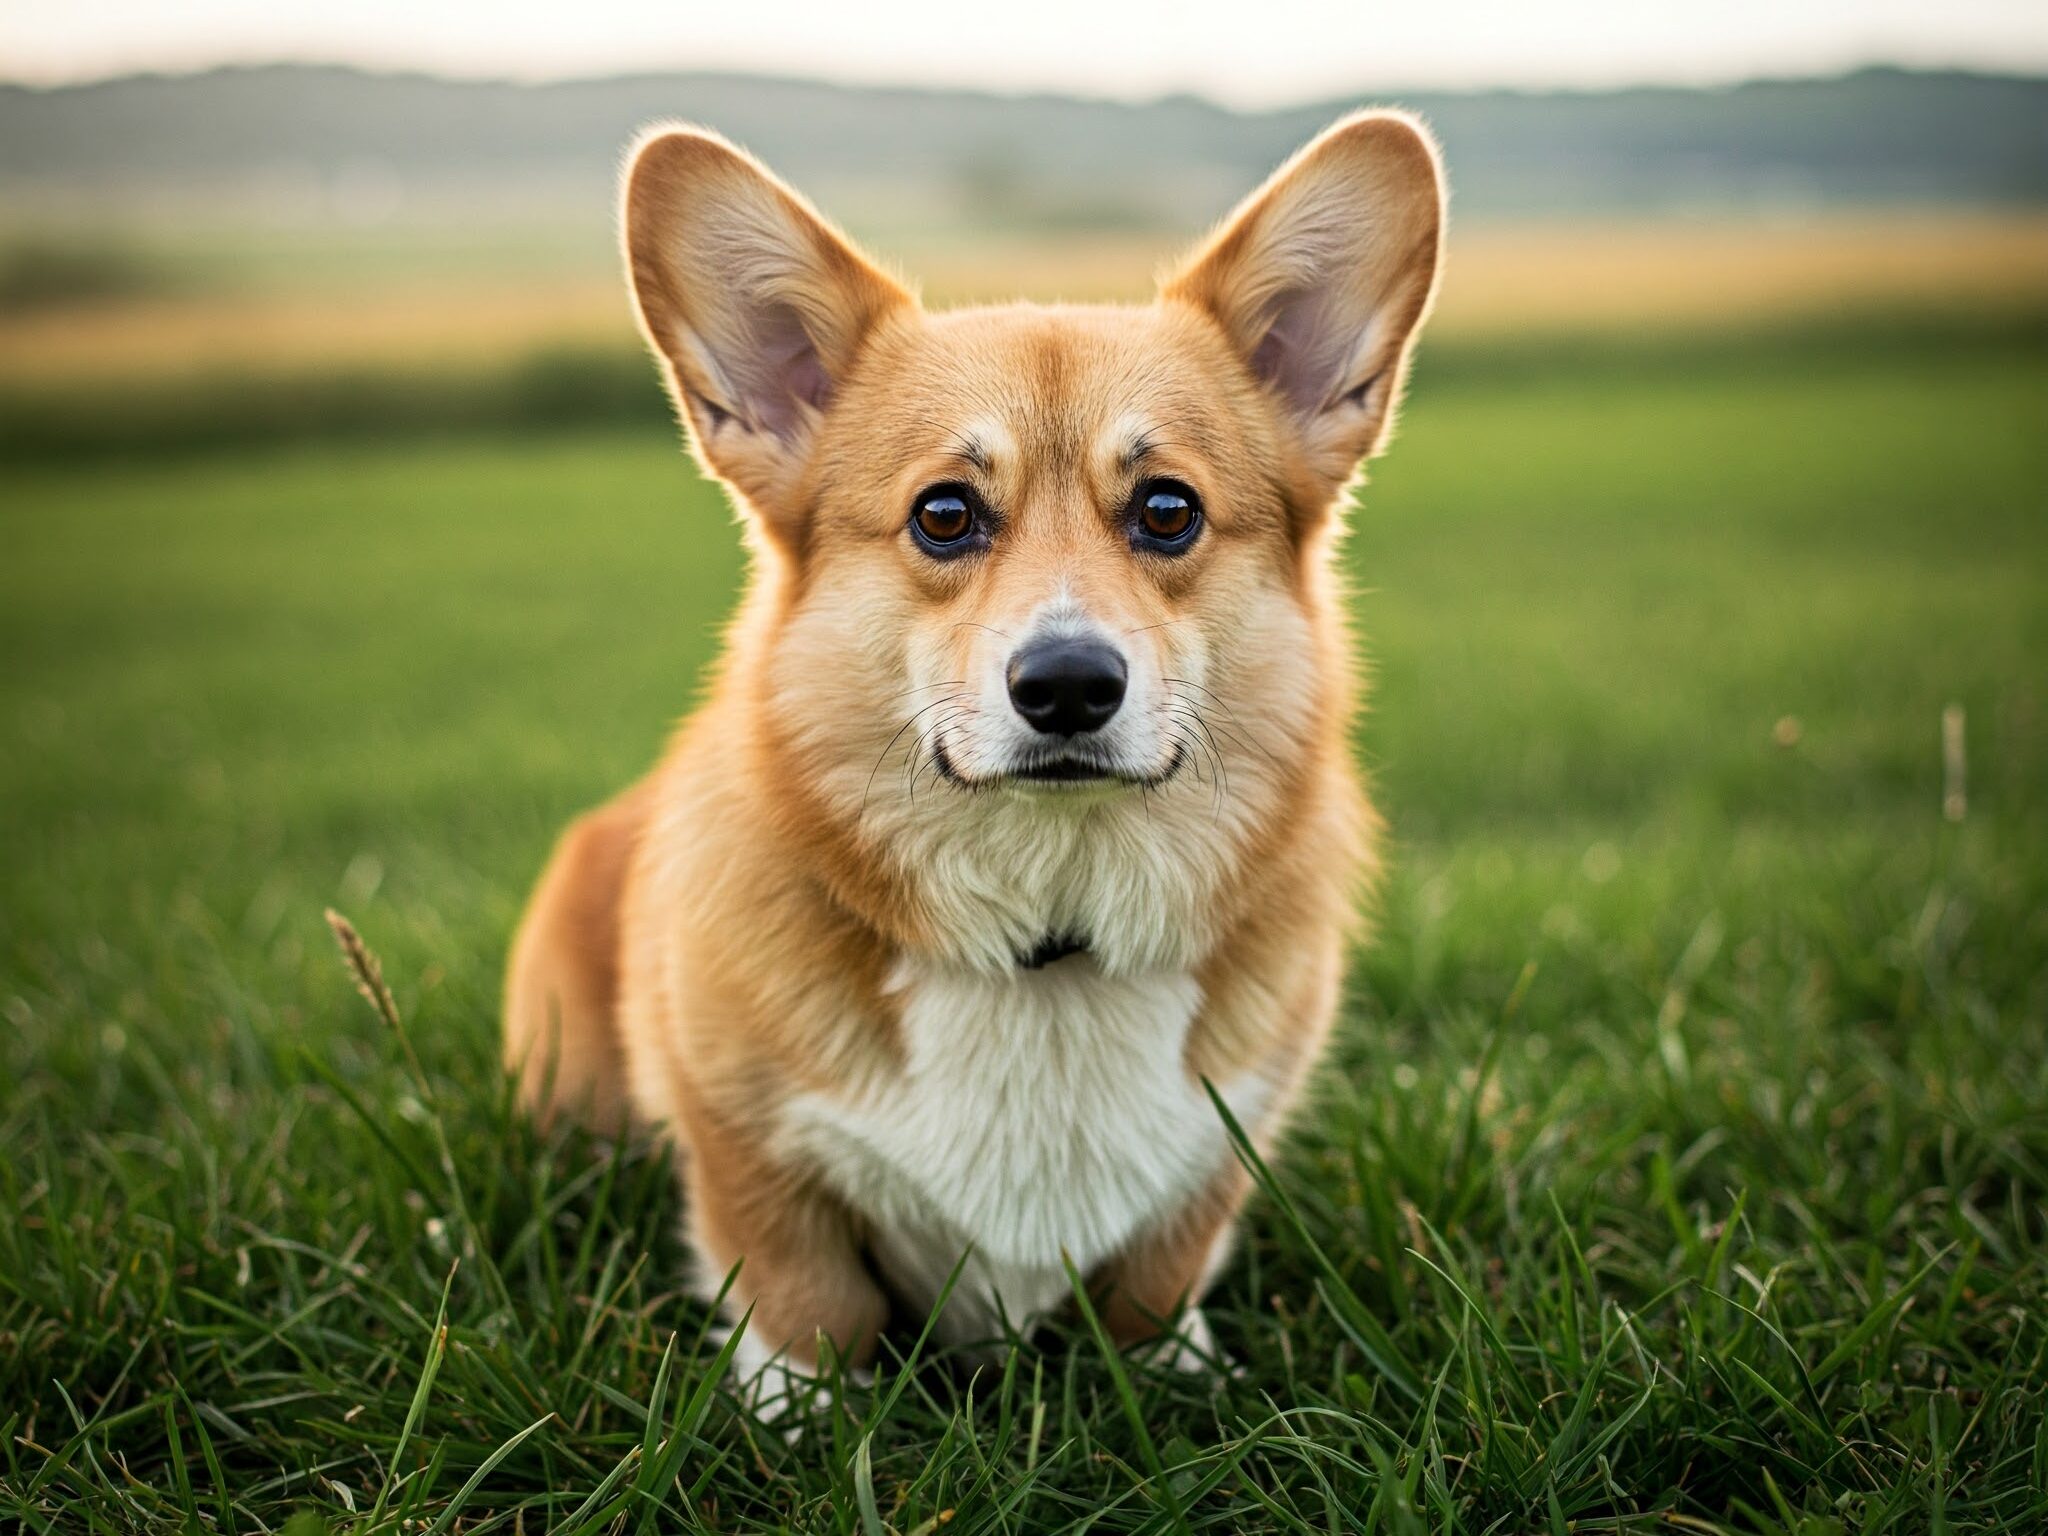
(1022, 805)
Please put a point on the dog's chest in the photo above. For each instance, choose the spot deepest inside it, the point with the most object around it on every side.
(1035, 1113)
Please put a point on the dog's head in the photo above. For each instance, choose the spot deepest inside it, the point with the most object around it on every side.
(1064, 554)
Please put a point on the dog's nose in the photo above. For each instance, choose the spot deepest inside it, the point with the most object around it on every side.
(1065, 687)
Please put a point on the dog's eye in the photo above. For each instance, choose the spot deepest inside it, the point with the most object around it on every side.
(943, 518)
(1166, 515)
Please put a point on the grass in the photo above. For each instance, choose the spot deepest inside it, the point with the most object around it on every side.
(1682, 1163)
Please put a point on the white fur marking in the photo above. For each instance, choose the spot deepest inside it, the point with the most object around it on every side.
(1039, 1112)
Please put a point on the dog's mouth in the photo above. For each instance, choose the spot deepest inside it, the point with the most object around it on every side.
(1062, 770)
(1065, 769)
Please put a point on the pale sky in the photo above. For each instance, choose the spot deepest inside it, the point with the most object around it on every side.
(1247, 53)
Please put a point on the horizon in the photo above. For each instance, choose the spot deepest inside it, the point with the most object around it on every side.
(1384, 93)
(423, 71)
(1139, 52)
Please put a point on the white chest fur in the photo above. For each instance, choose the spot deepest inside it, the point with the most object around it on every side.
(1035, 1112)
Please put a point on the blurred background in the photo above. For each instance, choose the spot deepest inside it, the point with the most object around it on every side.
(350, 548)
(420, 238)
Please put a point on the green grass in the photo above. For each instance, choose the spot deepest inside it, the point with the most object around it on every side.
(1683, 1162)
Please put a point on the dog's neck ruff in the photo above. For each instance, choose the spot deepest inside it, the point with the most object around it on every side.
(1054, 946)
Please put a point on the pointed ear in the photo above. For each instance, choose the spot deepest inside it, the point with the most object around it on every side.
(756, 305)
(1321, 279)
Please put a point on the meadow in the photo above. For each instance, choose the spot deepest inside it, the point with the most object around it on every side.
(1682, 1163)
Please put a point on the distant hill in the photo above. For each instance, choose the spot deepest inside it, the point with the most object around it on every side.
(1874, 137)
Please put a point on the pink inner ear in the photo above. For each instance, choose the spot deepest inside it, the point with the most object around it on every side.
(1301, 353)
(784, 373)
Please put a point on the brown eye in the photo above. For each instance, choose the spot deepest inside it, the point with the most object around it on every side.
(1168, 514)
(943, 519)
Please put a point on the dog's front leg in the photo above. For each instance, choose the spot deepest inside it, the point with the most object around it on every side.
(799, 1266)
(1166, 1270)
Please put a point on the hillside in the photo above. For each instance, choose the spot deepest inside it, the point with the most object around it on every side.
(385, 141)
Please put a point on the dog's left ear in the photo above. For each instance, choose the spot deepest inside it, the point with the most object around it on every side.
(1322, 277)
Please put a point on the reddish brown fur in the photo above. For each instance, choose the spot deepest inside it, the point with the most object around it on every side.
(562, 983)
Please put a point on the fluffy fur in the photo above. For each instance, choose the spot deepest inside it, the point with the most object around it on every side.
(794, 946)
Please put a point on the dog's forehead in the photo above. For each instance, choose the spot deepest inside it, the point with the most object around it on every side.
(1037, 383)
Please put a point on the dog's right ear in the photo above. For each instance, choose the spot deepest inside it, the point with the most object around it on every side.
(756, 305)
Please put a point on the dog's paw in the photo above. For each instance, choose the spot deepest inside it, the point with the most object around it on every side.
(781, 1393)
(1191, 1348)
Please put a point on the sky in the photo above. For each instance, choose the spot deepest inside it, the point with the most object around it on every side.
(1246, 53)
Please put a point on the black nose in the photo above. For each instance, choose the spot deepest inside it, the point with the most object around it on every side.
(1065, 687)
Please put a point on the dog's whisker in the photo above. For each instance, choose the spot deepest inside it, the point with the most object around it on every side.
(1193, 717)
(1214, 698)
(972, 624)
(1217, 728)
(1219, 773)
(1195, 751)
(891, 743)
(912, 720)
(1250, 743)
(951, 682)
(917, 759)
(914, 756)
(930, 766)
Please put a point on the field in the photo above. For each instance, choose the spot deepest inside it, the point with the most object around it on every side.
(288, 302)
(1683, 1164)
